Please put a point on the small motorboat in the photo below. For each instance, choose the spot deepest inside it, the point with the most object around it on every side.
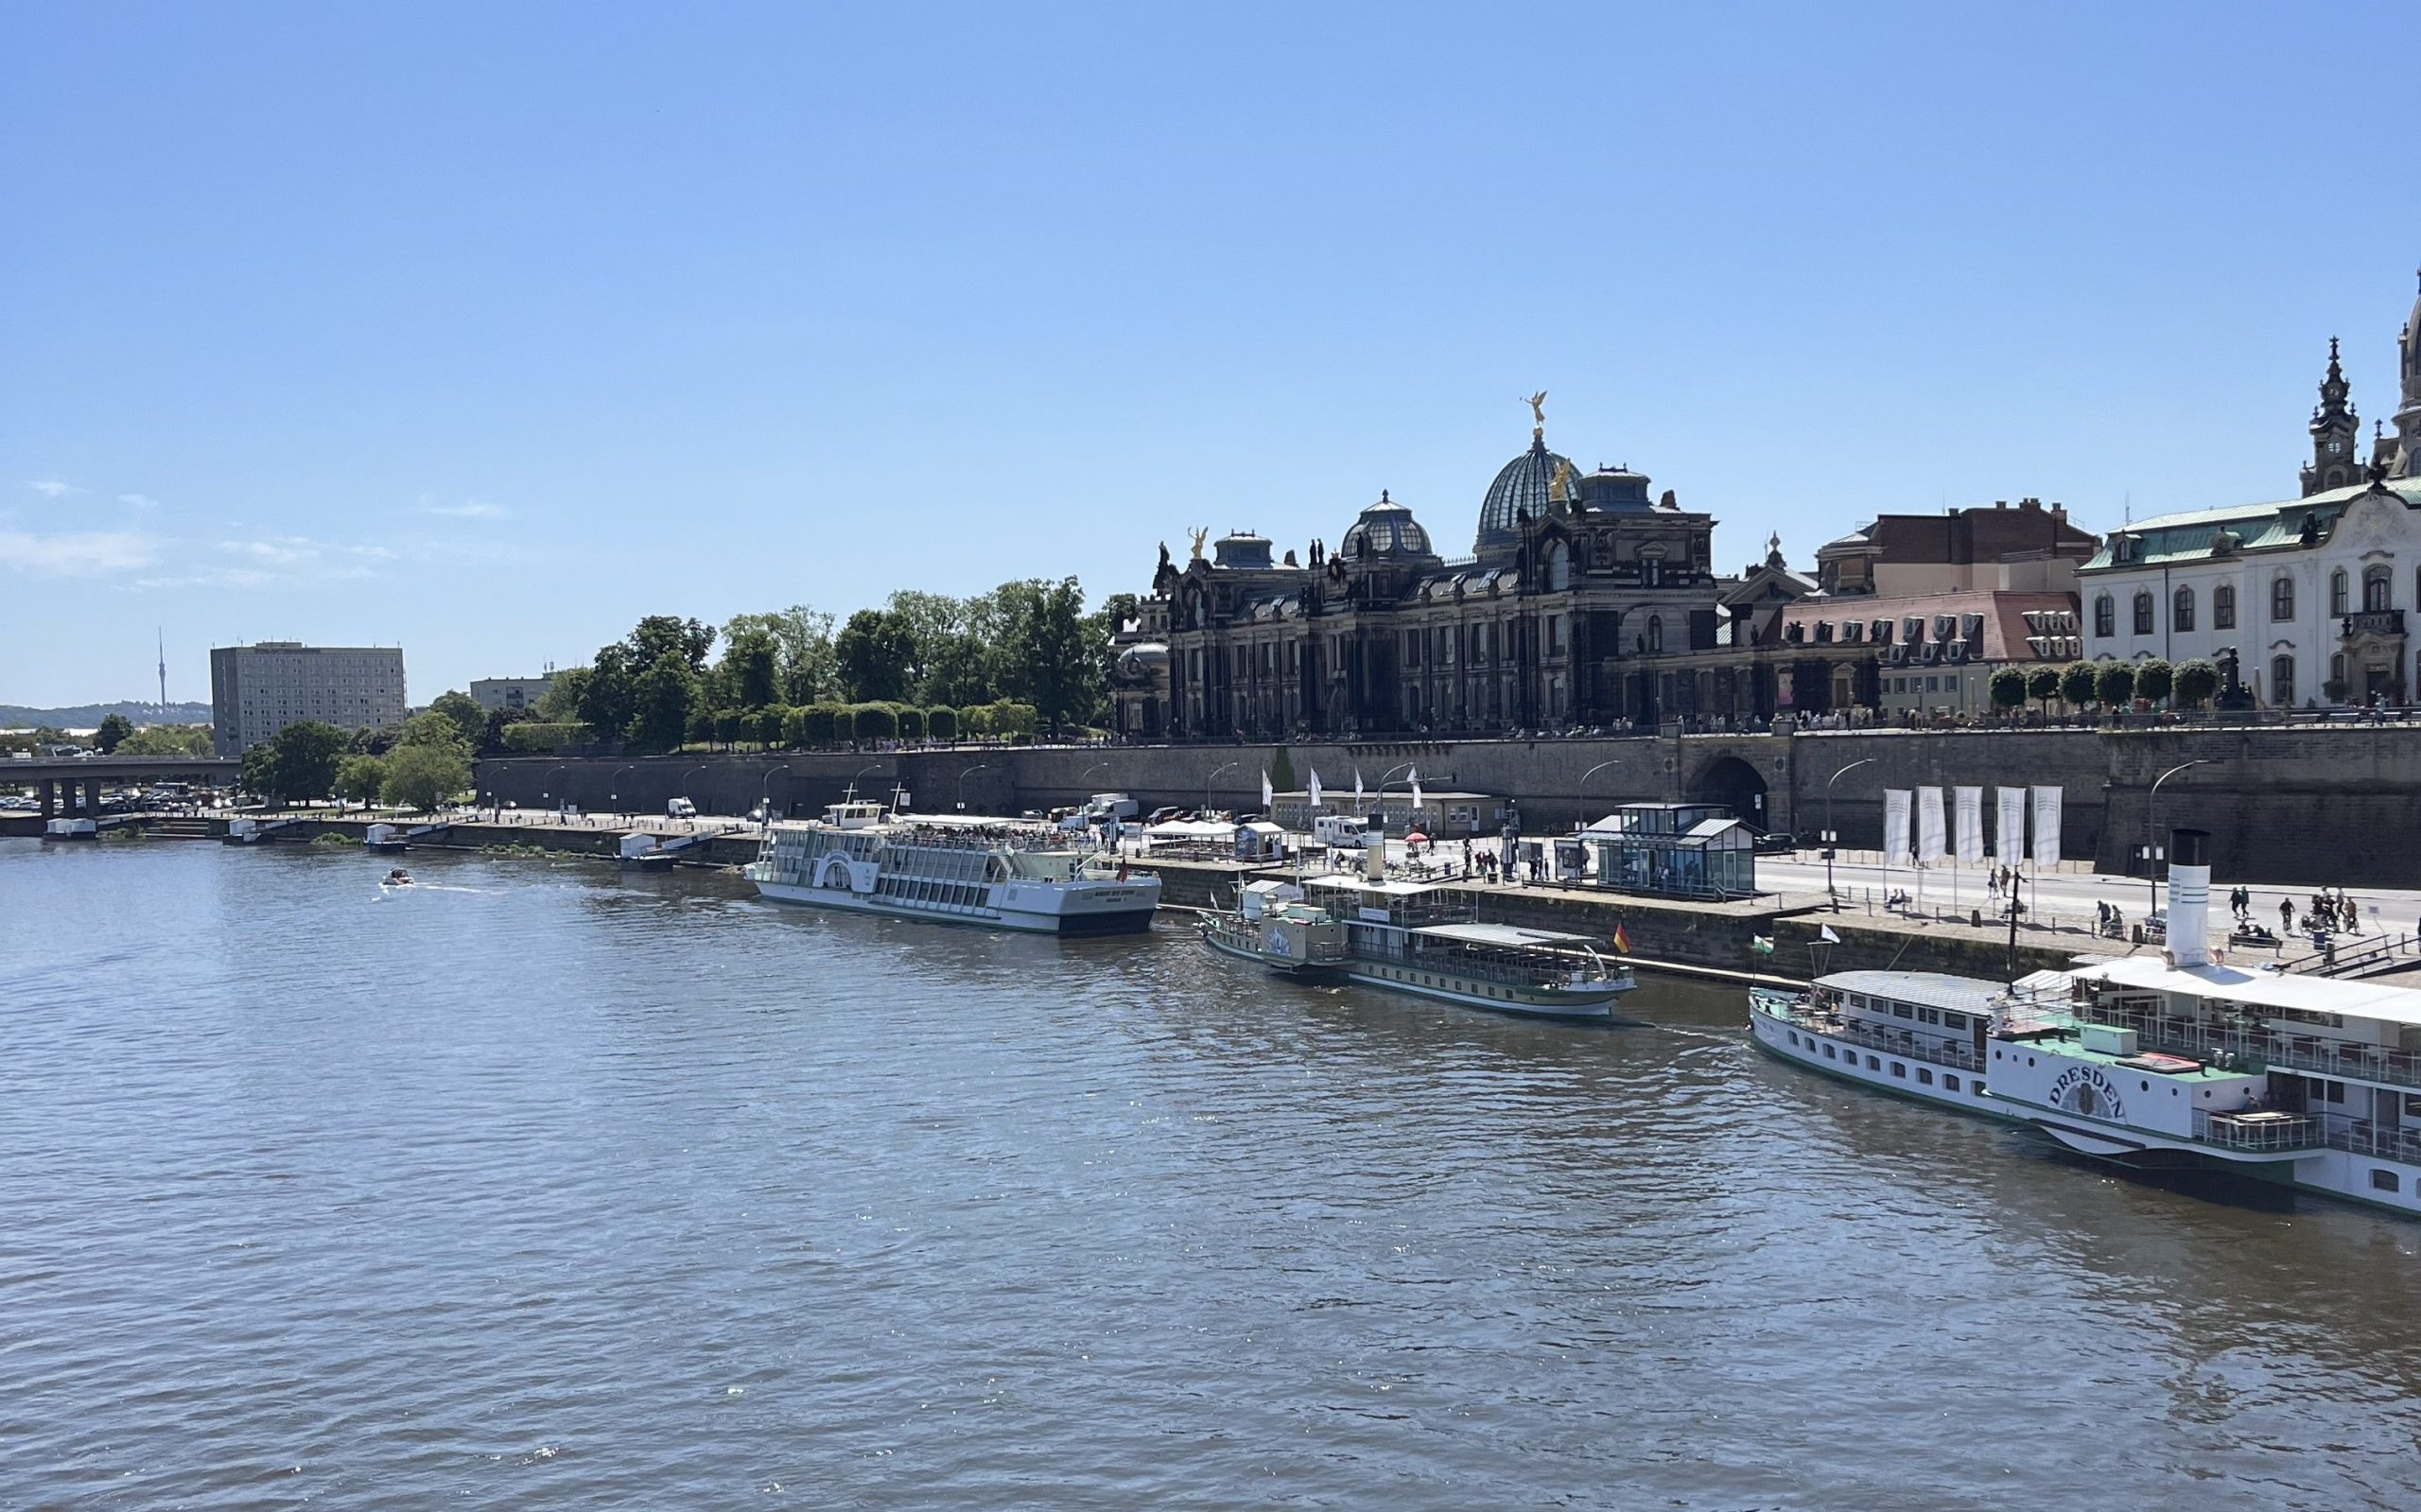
(398, 878)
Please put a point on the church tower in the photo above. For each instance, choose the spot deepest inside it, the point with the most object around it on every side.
(2335, 434)
(2401, 453)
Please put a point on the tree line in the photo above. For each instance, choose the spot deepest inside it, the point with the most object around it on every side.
(2114, 685)
(425, 763)
(1024, 658)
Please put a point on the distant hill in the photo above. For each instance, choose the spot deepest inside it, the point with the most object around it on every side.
(88, 716)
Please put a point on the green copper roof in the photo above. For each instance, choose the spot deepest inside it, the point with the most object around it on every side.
(2187, 537)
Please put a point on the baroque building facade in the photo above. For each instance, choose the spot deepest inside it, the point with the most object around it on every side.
(1578, 587)
(2309, 594)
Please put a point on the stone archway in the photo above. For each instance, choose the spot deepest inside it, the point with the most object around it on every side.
(1737, 785)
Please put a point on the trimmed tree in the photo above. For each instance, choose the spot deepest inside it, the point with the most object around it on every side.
(2113, 686)
(2042, 683)
(942, 723)
(2155, 678)
(2009, 690)
(2196, 681)
(2076, 684)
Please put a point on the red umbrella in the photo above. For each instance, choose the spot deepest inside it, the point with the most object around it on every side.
(1416, 838)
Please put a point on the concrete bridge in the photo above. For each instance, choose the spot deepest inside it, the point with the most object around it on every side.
(60, 782)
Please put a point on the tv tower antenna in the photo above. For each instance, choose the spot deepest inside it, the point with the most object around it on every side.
(164, 669)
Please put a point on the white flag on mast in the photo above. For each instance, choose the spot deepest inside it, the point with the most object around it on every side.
(1970, 808)
(1357, 790)
(1316, 790)
(2046, 827)
(1267, 797)
(1895, 826)
(1929, 838)
(1414, 818)
(2009, 832)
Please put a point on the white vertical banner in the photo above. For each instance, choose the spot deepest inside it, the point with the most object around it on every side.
(1895, 825)
(1316, 790)
(2008, 829)
(2046, 827)
(1930, 846)
(1969, 806)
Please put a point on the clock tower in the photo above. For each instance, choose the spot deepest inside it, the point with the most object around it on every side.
(2335, 434)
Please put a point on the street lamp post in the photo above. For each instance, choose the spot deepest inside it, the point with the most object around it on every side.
(962, 783)
(547, 792)
(1833, 837)
(2151, 827)
(1212, 778)
(764, 796)
(683, 791)
(615, 783)
(852, 790)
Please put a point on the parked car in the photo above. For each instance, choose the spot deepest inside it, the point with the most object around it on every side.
(1163, 814)
(1774, 839)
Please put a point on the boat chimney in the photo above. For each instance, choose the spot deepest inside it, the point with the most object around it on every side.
(2189, 896)
(1374, 852)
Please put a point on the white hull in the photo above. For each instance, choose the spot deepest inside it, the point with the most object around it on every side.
(1595, 1003)
(1899, 1073)
(1034, 909)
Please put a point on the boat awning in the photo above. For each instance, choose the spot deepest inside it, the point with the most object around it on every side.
(1503, 934)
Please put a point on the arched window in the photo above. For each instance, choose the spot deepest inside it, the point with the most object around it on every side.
(2223, 607)
(2281, 681)
(2282, 598)
(2144, 612)
(2377, 590)
(2337, 605)
(1558, 567)
(1655, 631)
(2105, 617)
(2181, 609)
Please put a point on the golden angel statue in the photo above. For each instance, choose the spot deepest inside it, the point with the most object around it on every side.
(1537, 403)
(1199, 537)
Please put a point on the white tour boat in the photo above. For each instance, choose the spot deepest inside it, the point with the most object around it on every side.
(1920, 1034)
(2180, 1061)
(1000, 874)
(1418, 938)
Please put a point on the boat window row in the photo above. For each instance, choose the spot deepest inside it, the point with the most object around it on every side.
(929, 890)
(1875, 1062)
(1945, 1016)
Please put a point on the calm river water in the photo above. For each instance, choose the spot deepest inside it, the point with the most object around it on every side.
(538, 1186)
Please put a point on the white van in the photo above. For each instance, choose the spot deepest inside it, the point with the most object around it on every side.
(680, 808)
(1343, 831)
(1105, 806)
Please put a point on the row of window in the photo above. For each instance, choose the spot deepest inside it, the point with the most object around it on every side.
(2378, 594)
(1950, 1083)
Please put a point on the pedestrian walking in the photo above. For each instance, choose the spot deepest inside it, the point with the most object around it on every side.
(2353, 918)
(2286, 916)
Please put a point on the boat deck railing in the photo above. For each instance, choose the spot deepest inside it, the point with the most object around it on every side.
(2259, 1133)
(2259, 1051)
(1851, 1031)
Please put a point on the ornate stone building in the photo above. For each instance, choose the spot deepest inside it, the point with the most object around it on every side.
(1577, 585)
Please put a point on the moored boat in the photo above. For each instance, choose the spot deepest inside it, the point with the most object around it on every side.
(1416, 938)
(1001, 874)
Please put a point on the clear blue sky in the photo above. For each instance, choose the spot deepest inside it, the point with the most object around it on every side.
(486, 329)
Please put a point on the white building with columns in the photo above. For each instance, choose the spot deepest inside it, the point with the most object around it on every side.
(2309, 593)
(2312, 594)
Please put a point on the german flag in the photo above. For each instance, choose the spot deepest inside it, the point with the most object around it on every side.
(1622, 938)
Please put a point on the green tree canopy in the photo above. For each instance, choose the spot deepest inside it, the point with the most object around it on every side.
(663, 699)
(802, 650)
(114, 728)
(2113, 686)
(470, 719)
(361, 778)
(2042, 683)
(2009, 687)
(750, 672)
(876, 650)
(297, 764)
(2195, 682)
(424, 775)
(2076, 684)
(2154, 679)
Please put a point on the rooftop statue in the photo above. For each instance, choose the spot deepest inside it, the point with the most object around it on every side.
(1199, 537)
(1537, 403)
